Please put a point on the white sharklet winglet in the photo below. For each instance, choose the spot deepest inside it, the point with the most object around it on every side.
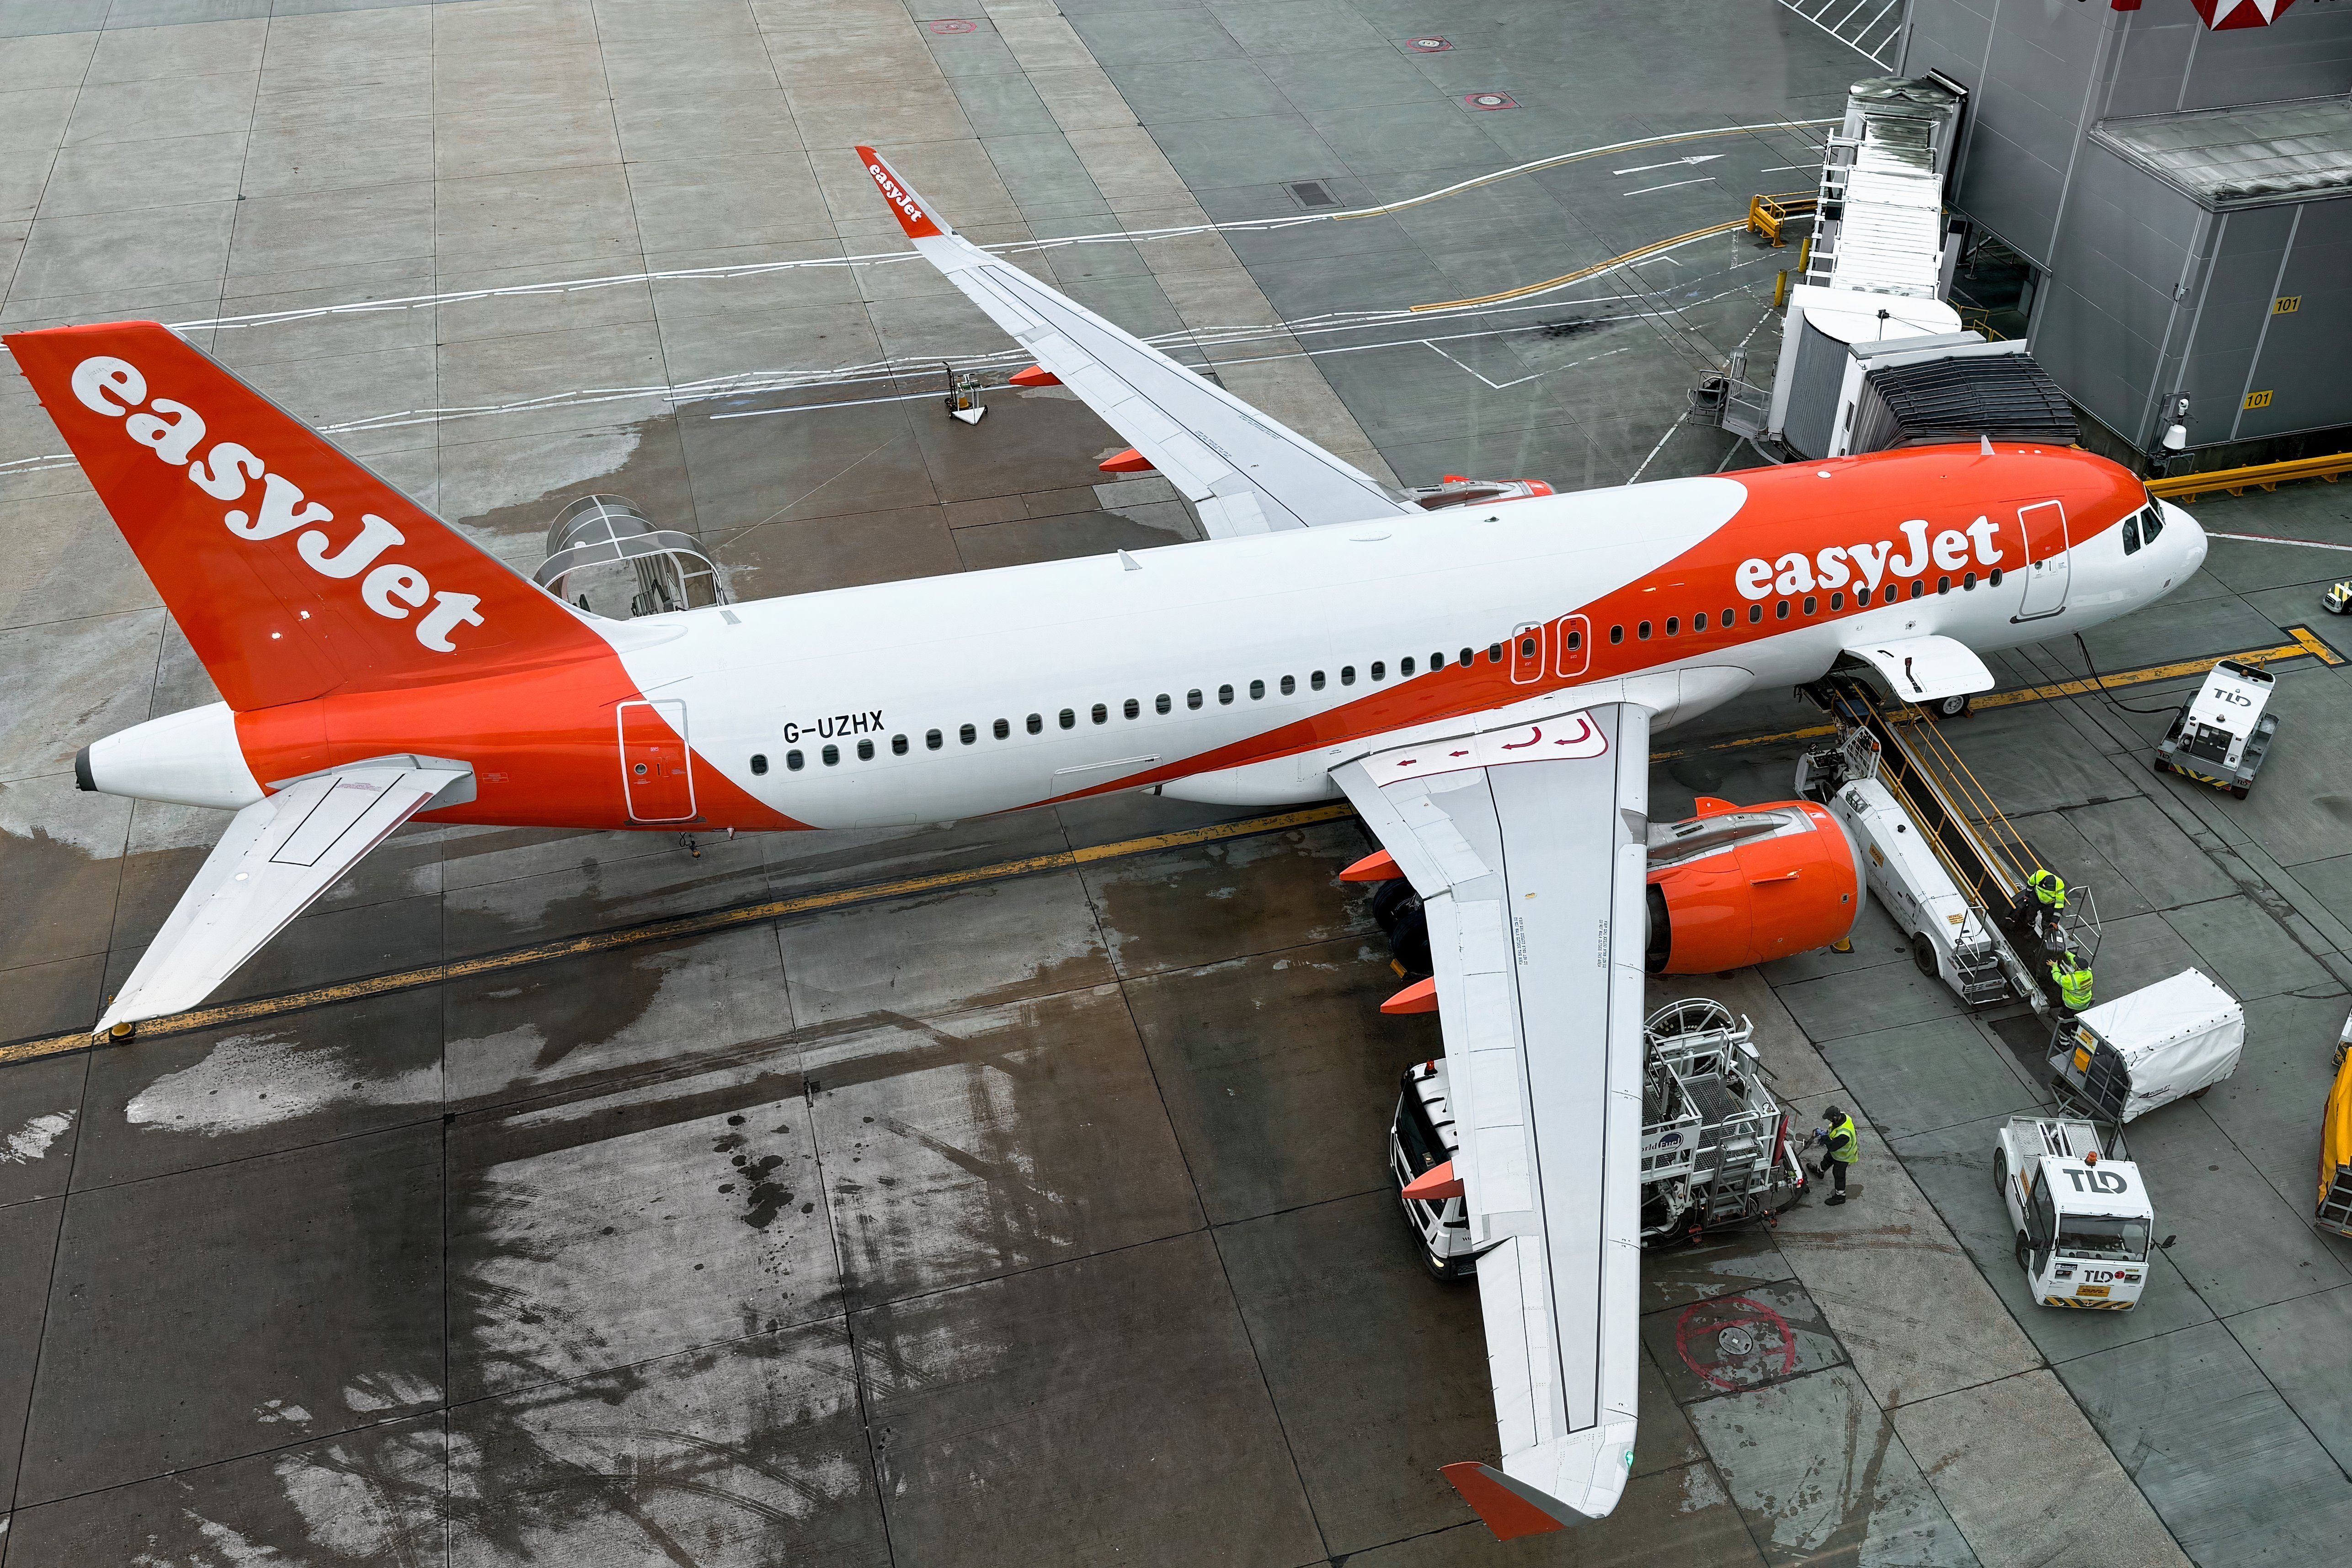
(278, 853)
(1527, 846)
(1242, 472)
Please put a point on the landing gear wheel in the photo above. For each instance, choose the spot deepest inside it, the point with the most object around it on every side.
(2025, 1252)
(2239, 792)
(1923, 953)
(1954, 706)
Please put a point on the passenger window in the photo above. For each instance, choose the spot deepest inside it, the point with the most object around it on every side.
(1315, 680)
(1132, 709)
(1036, 724)
(1437, 661)
(1347, 675)
(1674, 626)
(1698, 622)
(864, 751)
(794, 761)
(1781, 611)
(1919, 589)
(1995, 578)
(1812, 604)
(1289, 684)
(1754, 613)
(1404, 668)
(832, 755)
(1379, 670)
(1002, 729)
(1257, 690)
(1616, 634)
(1100, 715)
(1968, 582)
(1069, 719)
(1493, 652)
(1193, 698)
(1943, 584)
(899, 745)
(967, 735)
(1526, 647)
(1642, 631)
(759, 761)
(1468, 655)
(1160, 704)
(1731, 619)
(1575, 641)
(1837, 601)
(1225, 696)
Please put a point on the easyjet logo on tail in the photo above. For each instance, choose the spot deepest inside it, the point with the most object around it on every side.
(116, 388)
(1796, 573)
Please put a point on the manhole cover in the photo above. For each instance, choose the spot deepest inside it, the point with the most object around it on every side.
(955, 26)
(1489, 100)
(1736, 1340)
(1311, 193)
(1427, 46)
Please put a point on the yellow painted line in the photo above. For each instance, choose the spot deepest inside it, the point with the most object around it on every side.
(262, 1007)
(1565, 278)
(2304, 646)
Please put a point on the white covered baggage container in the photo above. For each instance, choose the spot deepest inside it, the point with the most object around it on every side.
(2124, 1057)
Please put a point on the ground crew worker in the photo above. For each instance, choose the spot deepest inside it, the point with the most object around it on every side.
(1841, 1142)
(2073, 981)
(2049, 890)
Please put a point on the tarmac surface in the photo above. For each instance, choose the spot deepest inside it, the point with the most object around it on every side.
(1038, 1218)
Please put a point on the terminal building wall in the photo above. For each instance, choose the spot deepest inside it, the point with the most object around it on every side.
(2142, 291)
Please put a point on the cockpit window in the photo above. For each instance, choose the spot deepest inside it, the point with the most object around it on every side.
(2151, 522)
(2131, 535)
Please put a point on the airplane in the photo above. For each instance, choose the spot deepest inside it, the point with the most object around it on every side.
(1481, 681)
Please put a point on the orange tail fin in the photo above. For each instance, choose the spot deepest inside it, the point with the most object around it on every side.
(293, 568)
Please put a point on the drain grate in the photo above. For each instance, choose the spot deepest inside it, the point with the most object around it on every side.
(1310, 193)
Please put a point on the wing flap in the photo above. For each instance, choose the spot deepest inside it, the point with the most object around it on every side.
(1243, 472)
(279, 855)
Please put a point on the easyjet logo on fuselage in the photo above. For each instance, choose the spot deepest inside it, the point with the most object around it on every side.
(1796, 573)
(115, 387)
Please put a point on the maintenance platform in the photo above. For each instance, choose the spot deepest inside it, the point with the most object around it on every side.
(1017, 1191)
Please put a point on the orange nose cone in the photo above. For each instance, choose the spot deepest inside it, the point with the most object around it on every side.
(1036, 375)
(1376, 867)
(1128, 462)
(1435, 1184)
(1421, 996)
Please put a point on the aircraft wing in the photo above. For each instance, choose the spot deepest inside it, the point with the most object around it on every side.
(279, 855)
(1242, 472)
(1529, 847)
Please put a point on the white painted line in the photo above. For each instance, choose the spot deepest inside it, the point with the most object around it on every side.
(1497, 386)
(2278, 539)
(1669, 163)
(1645, 190)
(1784, 168)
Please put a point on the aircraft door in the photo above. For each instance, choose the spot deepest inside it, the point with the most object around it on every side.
(656, 768)
(1527, 653)
(2050, 565)
(1572, 635)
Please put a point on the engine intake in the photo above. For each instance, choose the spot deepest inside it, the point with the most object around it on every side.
(1738, 885)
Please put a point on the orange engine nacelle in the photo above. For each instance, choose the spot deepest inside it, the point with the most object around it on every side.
(1737, 884)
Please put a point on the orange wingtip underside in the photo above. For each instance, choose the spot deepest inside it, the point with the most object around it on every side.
(905, 204)
(1421, 996)
(1128, 462)
(1378, 867)
(1435, 1184)
(1504, 1511)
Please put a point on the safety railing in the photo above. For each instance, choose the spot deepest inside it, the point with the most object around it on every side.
(2259, 476)
(1769, 218)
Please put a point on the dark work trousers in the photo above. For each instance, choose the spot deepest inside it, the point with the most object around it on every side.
(1837, 1175)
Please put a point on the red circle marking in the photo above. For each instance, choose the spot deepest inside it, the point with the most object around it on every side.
(1754, 1311)
(954, 26)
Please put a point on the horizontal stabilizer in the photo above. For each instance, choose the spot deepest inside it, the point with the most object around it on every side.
(277, 856)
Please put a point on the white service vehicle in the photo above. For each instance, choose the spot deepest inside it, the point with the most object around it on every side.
(1716, 1150)
(1950, 937)
(2123, 1058)
(2221, 735)
(2082, 1219)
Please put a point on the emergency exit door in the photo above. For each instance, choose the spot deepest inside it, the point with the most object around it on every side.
(2048, 566)
(656, 768)
(1528, 653)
